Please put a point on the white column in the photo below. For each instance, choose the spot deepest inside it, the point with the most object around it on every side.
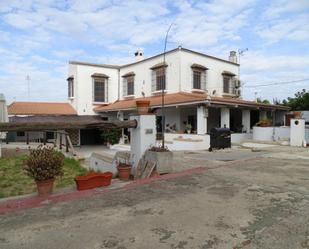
(263, 114)
(246, 120)
(120, 117)
(297, 132)
(142, 137)
(225, 117)
(202, 114)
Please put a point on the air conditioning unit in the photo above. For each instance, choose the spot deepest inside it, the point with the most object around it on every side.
(237, 92)
(236, 83)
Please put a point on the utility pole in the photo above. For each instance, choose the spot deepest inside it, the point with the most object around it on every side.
(28, 86)
(164, 86)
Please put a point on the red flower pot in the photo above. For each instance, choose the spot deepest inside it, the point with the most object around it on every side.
(93, 180)
(142, 106)
(45, 187)
(124, 171)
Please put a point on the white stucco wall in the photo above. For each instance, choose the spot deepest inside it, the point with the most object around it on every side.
(83, 87)
(214, 79)
(240, 137)
(143, 74)
(187, 141)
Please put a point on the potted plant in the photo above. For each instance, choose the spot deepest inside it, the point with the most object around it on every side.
(188, 128)
(264, 122)
(111, 136)
(124, 168)
(142, 106)
(163, 158)
(44, 164)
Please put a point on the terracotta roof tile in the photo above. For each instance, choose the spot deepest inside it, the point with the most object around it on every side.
(40, 108)
(173, 98)
(184, 98)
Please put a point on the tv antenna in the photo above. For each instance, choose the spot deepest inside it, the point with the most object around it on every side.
(28, 86)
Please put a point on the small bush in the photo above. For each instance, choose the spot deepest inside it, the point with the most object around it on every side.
(112, 135)
(264, 122)
(44, 163)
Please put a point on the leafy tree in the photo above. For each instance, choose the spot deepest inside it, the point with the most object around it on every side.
(265, 101)
(300, 102)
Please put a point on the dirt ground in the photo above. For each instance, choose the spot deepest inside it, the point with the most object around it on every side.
(243, 200)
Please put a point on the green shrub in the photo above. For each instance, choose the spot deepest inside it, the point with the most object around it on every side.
(44, 163)
(112, 135)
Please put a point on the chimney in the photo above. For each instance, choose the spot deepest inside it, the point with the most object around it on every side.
(233, 57)
(139, 55)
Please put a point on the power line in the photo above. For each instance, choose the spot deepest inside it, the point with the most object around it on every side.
(277, 83)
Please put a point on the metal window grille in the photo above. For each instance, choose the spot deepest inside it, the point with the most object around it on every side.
(160, 79)
(100, 90)
(199, 79)
(70, 88)
(226, 84)
(128, 86)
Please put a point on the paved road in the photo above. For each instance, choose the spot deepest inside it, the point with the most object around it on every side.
(259, 203)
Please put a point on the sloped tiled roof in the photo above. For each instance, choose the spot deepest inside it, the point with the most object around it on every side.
(40, 108)
(184, 98)
(173, 98)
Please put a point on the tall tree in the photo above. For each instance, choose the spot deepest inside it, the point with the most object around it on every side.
(300, 102)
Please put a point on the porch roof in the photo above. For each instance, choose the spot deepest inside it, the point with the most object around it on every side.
(40, 108)
(184, 98)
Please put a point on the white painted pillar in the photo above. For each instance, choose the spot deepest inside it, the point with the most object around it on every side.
(263, 114)
(202, 115)
(225, 117)
(297, 132)
(246, 121)
(120, 117)
(142, 137)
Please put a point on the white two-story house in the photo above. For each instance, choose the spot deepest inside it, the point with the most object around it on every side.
(199, 89)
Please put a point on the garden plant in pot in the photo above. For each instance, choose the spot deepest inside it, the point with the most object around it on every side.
(265, 122)
(44, 164)
(111, 136)
(124, 169)
(188, 128)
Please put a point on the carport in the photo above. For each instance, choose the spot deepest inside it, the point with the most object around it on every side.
(63, 127)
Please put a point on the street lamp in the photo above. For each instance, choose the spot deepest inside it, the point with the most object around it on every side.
(240, 53)
(163, 87)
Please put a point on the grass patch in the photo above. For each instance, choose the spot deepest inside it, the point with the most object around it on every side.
(13, 180)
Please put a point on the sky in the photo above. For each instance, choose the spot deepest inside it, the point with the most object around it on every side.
(39, 37)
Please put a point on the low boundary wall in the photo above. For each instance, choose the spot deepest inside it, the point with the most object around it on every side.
(187, 141)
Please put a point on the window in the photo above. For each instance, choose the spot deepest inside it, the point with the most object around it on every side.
(198, 76)
(99, 90)
(226, 84)
(70, 87)
(159, 77)
(197, 79)
(20, 134)
(128, 84)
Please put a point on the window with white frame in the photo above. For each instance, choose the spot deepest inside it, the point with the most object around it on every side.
(159, 77)
(198, 77)
(99, 89)
(228, 82)
(128, 84)
(70, 87)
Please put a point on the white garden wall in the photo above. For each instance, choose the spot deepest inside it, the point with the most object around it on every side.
(187, 141)
(240, 137)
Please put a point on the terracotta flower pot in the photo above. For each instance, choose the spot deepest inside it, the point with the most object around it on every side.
(124, 171)
(93, 180)
(45, 187)
(142, 106)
